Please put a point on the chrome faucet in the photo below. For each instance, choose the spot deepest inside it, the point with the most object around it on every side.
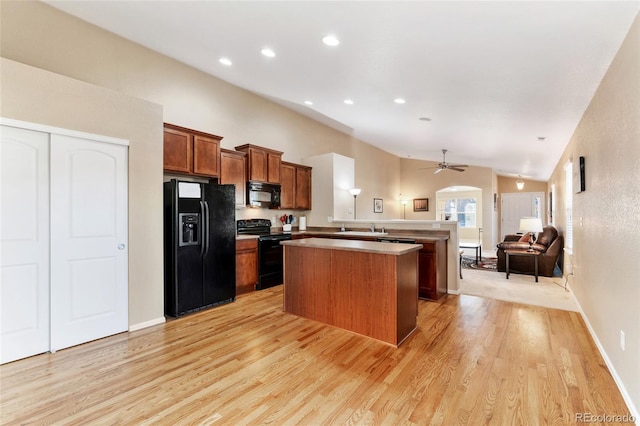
(342, 228)
(372, 228)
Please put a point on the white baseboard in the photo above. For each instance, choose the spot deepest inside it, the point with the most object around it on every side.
(625, 395)
(449, 291)
(146, 324)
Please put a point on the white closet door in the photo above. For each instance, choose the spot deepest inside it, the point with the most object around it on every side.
(24, 243)
(89, 283)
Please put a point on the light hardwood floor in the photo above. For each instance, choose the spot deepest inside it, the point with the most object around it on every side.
(471, 361)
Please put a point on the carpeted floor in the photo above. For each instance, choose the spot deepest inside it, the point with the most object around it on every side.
(485, 281)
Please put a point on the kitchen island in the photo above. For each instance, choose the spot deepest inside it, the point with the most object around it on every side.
(369, 288)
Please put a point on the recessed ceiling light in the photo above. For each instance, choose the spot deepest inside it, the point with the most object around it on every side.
(424, 119)
(330, 40)
(225, 61)
(308, 103)
(399, 101)
(268, 52)
(348, 101)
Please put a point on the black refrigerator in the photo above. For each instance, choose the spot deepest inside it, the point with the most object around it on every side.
(199, 246)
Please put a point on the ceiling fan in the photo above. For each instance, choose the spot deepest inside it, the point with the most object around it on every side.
(444, 165)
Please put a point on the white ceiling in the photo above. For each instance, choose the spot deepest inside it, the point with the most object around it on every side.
(491, 76)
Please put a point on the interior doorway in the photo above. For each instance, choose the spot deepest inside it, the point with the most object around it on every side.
(516, 206)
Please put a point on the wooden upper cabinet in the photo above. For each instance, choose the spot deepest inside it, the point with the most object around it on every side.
(263, 164)
(296, 186)
(206, 155)
(273, 166)
(178, 150)
(232, 171)
(303, 187)
(288, 186)
(191, 152)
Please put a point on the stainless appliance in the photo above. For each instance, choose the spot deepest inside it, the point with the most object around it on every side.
(199, 246)
(265, 195)
(270, 252)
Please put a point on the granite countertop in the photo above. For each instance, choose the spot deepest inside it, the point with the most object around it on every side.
(354, 245)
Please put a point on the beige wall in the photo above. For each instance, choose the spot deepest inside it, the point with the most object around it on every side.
(606, 267)
(35, 34)
(422, 183)
(37, 96)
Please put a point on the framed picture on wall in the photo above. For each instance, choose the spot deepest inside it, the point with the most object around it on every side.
(420, 204)
(377, 205)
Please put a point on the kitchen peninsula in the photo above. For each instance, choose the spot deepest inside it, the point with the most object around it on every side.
(369, 288)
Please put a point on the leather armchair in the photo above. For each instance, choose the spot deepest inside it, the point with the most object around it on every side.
(549, 244)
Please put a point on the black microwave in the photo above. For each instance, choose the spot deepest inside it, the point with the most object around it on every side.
(265, 195)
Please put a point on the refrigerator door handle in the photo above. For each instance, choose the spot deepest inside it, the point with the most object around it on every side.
(207, 228)
(203, 231)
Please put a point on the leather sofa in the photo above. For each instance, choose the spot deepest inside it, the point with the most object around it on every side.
(549, 244)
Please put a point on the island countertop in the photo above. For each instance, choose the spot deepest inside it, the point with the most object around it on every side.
(354, 245)
(369, 288)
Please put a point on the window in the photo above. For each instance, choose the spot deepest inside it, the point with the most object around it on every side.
(568, 206)
(461, 209)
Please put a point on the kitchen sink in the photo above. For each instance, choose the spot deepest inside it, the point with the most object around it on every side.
(361, 233)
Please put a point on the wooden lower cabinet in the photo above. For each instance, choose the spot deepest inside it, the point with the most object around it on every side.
(432, 264)
(432, 269)
(246, 265)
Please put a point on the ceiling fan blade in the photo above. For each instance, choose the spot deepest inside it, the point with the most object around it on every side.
(457, 165)
(427, 168)
(438, 170)
(455, 168)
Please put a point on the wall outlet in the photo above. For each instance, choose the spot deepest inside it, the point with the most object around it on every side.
(330, 219)
(622, 340)
(350, 211)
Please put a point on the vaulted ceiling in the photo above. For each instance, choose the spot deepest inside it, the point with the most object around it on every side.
(498, 84)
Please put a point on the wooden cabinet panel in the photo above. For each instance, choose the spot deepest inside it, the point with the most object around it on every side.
(246, 265)
(206, 156)
(232, 171)
(303, 188)
(178, 151)
(191, 152)
(263, 164)
(288, 186)
(273, 167)
(296, 186)
(432, 269)
(257, 165)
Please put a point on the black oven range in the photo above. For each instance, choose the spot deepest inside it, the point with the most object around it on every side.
(270, 252)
